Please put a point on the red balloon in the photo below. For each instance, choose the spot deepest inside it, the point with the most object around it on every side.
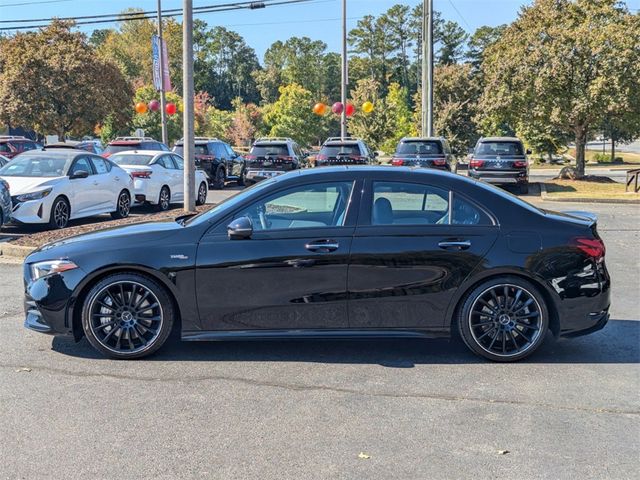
(154, 105)
(337, 108)
(171, 108)
(350, 109)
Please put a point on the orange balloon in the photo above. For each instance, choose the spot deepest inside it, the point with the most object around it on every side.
(319, 108)
(141, 107)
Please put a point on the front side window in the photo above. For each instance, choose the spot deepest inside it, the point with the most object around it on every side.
(396, 203)
(309, 206)
(81, 164)
(100, 165)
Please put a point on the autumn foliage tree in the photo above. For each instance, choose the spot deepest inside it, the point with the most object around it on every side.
(52, 81)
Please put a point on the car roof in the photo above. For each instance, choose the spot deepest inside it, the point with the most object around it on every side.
(134, 151)
(55, 153)
(425, 139)
(500, 139)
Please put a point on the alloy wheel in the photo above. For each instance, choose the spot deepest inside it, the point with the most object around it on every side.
(125, 317)
(61, 214)
(202, 194)
(505, 320)
(165, 198)
(124, 205)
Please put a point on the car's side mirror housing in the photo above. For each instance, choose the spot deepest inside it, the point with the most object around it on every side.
(239, 229)
(528, 151)
(79, 174)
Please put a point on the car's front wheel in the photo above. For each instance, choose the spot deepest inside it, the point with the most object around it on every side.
(123, 206)
(60, 213)
(127, 316)
(202, 194)
(503, 319)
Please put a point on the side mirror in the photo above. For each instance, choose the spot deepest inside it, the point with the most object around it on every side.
(240, 229)
(528, 152)
(79, 174)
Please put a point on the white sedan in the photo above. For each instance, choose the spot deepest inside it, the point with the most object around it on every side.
(159, 177)
(55, 186)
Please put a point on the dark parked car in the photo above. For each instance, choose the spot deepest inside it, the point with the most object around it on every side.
(123, 144)
(347, 151)
(5, 202)
(430, 152)
(333, 252)
(272, 156)
(12, 145)
(500, 160)
(218, 160)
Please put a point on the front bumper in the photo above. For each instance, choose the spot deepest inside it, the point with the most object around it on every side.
(32, 211)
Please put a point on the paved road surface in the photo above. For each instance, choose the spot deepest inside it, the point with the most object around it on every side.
(305, 410)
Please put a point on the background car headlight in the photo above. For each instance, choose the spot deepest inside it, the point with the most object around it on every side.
(25, 197)
(50, 267)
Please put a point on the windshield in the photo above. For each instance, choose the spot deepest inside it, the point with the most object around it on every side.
(500, 148)
(200, 150)
(335, 150)
(36, 166)
(271, 150)
(121, 148)
(419, 148)
(132, 159)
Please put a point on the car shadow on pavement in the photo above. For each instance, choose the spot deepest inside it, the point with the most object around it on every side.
(619, 342)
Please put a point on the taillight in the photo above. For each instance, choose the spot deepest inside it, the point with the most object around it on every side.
(397, 162)
(592, 247)
(141, 174)
(440, 161)
(106, 154)
(475, 163)
(284, 158)
(520, 163)
(321, 157)
(250, 157)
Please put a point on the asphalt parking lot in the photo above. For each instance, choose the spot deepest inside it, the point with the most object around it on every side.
(307, 410)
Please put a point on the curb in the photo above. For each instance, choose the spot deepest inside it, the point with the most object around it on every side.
(15, 251)
(545, 197)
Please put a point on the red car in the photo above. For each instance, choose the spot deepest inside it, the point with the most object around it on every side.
(12, 145)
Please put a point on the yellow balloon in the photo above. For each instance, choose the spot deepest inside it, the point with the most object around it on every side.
(367, 107)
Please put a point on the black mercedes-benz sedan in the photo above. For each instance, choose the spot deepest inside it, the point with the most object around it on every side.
(337, 252)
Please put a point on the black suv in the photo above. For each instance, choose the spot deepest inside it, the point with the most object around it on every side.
(217, 159)
(344, 151)
(500, 160)
(12, 145)
(271, 156)
(122, 144)
(429, 152)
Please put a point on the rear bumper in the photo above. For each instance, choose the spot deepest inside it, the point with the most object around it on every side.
(499, 176)
(594, 322)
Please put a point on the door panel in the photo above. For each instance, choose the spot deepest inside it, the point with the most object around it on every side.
(82, 189)
(105, 187)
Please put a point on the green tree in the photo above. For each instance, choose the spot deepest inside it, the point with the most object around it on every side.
(376, 127)
(567, 64)
(482, 39)
(452, 41)
(52, 81)
(292, 116)
(400, 116)
(150, 122)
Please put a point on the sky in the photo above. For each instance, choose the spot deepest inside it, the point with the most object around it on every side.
(318, 19)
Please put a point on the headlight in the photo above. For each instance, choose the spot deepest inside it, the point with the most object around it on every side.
(33, 195)
(51, 267)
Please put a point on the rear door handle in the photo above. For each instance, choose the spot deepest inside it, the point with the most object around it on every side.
(322, 246)
(455, 244)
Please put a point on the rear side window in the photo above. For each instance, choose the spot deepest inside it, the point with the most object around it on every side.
(500, 148)
(4, 147)
(270, 150)
(396, 203)
(220, 151)
(166, 162)
(100, 165)
(420, 148)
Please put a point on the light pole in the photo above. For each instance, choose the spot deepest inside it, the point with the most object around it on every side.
(187, 96)
(427, 68)
(345, 80)
(163, 114)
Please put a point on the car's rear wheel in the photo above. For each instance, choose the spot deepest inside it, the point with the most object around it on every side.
(127, 316)
(60, 213)
(218, 179)
(202, 194)
(123, 206)
(503, 319)
(164, 199)
(242, 179)
(524, 188)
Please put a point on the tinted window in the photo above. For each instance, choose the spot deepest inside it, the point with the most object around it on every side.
(396, 203)
(35, 166)
(319, 205)
(272, 149)
(100, 165)
(340, 150)
(500, 148)
(80, 164)
(466, 213)
(178, 162)
(419, 148)
(200, 149)
(166, 162)
(230, 151)
(120, 148)
(4, 147)
(132, 159)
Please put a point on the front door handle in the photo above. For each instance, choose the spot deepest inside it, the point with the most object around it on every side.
(322, 246)
(455, 244)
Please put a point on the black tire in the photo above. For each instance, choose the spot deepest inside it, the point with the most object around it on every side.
(217, 183)
(500, 324)
(242, 179)
(524, 188)
(201, 197)
(164, 199)
(127, 316)
(123, 206)
(60, 214)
